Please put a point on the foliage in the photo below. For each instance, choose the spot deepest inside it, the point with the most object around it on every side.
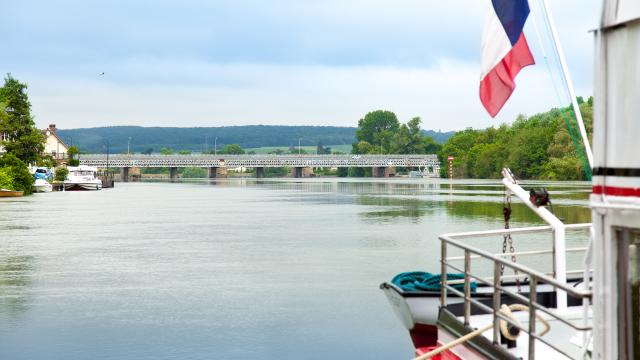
(22, 180)
(47, 161)
(167, 151)
(184, 152)
(253, 136)
(376, 131)
(193, 173)
(72, 153)
(536, 147)
(322, 150)
(232, 149)
(61, 174)
(380, 132)
(276, 172)
(25, 141)
(148, 151)
(6, 179)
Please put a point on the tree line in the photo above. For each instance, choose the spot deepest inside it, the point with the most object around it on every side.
(543, 146)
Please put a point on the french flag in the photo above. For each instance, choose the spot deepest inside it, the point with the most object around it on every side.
(504, 52)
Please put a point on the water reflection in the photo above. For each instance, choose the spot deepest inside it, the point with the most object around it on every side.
(396, 207)
(15, 280)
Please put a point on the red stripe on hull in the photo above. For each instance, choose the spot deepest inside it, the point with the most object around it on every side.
(424, 335)
(616, 191)
(498, 85)
(445, 355)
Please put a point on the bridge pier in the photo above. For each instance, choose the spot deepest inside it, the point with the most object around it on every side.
(259, 172)
(212, 172)
(124, 174)
(173, 173)
(296, 172)
(378, 171)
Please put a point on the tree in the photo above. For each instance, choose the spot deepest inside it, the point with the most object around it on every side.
(61, 174)
(321, 150)
(377, 128)
(167, 151)
(25, 141)
(148, 151)
(72, 152)
(184, 152)
(231, 149)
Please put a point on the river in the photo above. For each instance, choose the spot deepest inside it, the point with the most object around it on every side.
(232, 269)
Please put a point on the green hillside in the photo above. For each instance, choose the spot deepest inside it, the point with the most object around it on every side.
(197, 139)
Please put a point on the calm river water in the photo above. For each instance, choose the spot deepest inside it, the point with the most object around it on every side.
(231, 269)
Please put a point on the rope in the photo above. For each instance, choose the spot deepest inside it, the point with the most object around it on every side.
(424, 281)
(506, 311)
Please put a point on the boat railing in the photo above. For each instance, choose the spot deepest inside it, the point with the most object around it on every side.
(535, 278)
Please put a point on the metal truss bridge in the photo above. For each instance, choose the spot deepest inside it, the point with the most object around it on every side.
(429, 163)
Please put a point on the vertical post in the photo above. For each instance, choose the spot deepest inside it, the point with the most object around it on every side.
(450, 158)
(467, 286)
(215, 146)
(560, 266)
(443, 273)
(124, 174)
(496, 302)
(533, 297)
(569, 83)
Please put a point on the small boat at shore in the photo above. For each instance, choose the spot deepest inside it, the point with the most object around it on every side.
(82, 178)
(10, 193)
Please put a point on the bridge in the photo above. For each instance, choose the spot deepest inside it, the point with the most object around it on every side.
(381, 164)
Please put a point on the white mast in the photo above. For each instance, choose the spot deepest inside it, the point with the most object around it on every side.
(567, 78)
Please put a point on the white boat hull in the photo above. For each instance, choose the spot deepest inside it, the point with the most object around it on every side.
(70, 186)
(41, 186)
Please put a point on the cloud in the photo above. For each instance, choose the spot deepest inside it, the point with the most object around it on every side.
(444, 95)
(279, 62)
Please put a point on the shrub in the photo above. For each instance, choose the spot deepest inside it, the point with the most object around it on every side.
(22, 179)
(61, 174)
(6, 180)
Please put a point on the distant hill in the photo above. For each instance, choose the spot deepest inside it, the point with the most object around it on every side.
(197, 139)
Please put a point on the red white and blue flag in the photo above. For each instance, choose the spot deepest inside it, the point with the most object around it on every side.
(504, 52)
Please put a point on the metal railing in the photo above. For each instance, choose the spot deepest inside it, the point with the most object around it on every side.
(233, 161)
(498, 262)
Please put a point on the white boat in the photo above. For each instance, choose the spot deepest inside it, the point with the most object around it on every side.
(548, 316)
(41, 186)
(82, 177)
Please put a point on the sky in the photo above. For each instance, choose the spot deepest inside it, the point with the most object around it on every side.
(285, 62)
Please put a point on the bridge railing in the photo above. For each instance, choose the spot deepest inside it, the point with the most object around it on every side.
(232, 161)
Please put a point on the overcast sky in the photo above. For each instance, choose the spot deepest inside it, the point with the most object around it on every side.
(290, 62)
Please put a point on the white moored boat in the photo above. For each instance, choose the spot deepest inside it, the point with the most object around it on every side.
(42, 185)
(82, 178)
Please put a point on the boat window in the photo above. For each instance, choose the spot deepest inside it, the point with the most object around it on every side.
(629, 292)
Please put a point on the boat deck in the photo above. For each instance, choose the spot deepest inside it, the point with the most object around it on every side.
(567, 341)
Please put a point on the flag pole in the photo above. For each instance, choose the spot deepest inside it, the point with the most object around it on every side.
(567, 78)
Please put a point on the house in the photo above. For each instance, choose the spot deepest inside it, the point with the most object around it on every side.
(53, 145)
